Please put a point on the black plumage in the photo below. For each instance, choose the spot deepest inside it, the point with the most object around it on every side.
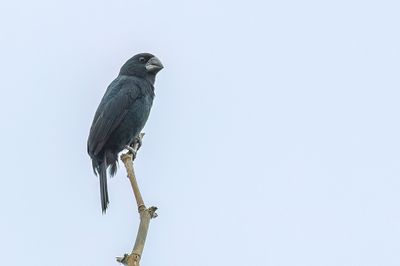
(121, 115)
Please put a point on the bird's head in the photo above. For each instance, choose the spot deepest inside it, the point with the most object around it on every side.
(142, 65)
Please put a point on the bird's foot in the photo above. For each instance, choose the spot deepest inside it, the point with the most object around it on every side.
(135, 145)
(131, 150)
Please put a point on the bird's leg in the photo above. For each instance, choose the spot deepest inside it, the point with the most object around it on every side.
(137, 141)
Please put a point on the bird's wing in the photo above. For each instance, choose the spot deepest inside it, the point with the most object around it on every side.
(111, 112)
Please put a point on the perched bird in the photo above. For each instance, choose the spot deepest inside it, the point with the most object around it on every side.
(121, 115)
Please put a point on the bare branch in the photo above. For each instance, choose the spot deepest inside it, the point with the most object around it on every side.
(146, 214)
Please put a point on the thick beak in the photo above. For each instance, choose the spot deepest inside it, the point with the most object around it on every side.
(154, 65)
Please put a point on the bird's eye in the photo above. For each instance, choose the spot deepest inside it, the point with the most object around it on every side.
(142, 59)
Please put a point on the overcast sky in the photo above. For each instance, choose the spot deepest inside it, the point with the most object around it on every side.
(273, 138)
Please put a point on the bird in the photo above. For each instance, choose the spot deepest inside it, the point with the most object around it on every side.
(121, 115)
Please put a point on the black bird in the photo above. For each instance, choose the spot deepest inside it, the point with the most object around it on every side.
(121, 115)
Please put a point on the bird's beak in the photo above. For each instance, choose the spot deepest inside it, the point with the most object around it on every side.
(154, 65)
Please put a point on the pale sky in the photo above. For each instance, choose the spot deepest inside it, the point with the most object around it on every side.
(273, 138)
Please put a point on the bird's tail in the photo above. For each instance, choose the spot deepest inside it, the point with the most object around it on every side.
(103, 186)
(101, 169)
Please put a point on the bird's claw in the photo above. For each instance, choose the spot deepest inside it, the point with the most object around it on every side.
(131, 150)
(135, 145)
